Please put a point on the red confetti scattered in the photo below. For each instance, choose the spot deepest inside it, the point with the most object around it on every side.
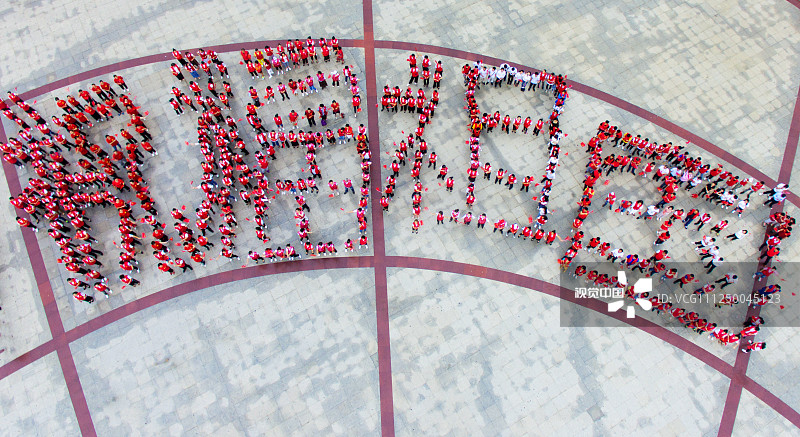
(566, 153)
(342, 209)
(422, 222)
(146, 113)
(330, 195)
(241, 62)
(688, 142)
(426, 208)
(426, 189)
(384, 166)
(607, 181)
(187, 143)
(535, 198)
(170, 239)
(239, 119)
(183, 207)
(782, 307)
(143, 234)
(34, 101)
(566, 135)
(536, 185)
(530, 219)
(793, 294)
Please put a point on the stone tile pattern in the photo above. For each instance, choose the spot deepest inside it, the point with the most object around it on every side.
(34, 401)
(691, 63)
(23, 324)
(95, 33)
(756, 418)
(292, 354)
(470, 356)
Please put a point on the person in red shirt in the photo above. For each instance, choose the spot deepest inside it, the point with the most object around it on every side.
(129, 280)
(82, 297)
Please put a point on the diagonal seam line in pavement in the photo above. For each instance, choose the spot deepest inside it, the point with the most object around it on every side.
(734, 396)
(68, 369)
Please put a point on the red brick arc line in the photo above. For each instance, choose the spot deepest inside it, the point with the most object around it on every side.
(179, 290)
(743, 360)
(602, 96)
(737, 377)
(378, 235)
(158, 57)
(477, 271)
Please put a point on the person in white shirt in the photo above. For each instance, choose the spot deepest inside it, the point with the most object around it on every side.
(484, 75)
(651, 211)
(512, 72)
(534, 81)
(739, 235)
(525, 81)
(740, 207)
(492, 78)
(500, 77)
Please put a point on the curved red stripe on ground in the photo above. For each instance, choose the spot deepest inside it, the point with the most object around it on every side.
(158, 57)
(602, 96)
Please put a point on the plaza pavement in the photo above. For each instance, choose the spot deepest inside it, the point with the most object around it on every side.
(296, 353)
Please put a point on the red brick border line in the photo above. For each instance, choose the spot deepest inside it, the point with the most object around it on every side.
(743, 360)
(378, 237)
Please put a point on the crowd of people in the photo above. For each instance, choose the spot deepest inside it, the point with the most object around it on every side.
(224, 151)
(673, 170)
(65, 187)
